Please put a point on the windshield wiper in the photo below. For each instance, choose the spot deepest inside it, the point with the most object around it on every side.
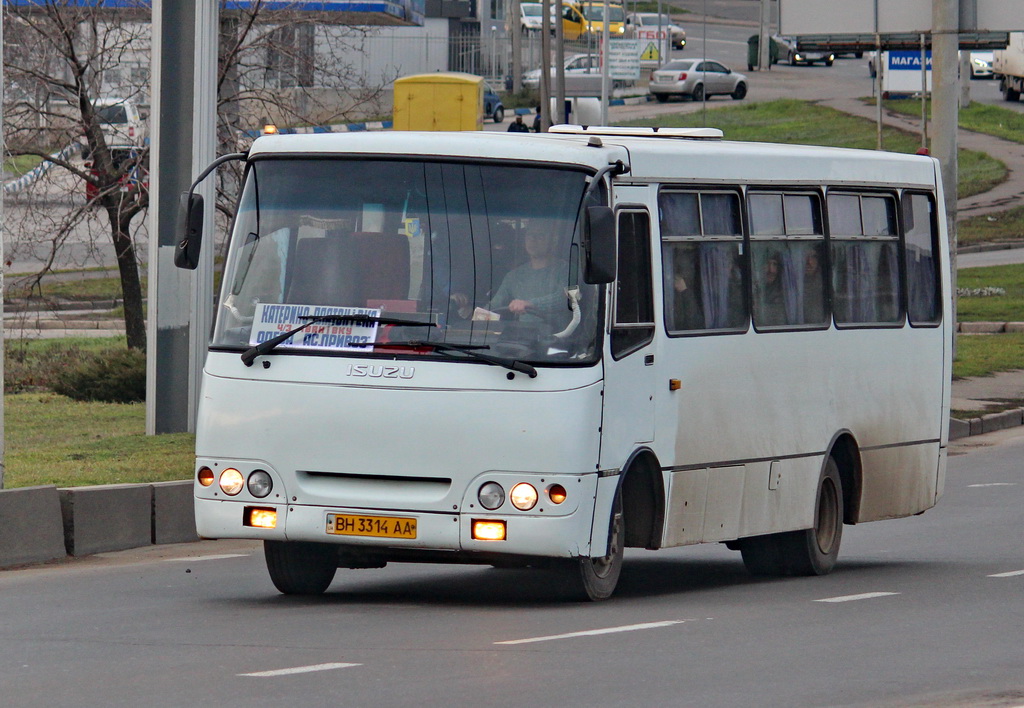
(472, 350)
(249, 355)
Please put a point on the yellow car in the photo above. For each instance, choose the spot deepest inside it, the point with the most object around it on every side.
(587, 18)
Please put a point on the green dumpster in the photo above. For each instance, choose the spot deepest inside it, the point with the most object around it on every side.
(753, 52)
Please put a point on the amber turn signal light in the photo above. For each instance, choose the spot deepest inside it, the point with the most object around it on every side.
(488, 530)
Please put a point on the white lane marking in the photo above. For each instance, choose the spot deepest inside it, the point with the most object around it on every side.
(861, 596)
(299, 670)
(993, 484)
(593, 632)
(1011, 574)
(206, 558)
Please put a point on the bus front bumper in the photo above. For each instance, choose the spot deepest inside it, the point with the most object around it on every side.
(565, 536)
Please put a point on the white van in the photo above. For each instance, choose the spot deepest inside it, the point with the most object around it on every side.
(120, 121)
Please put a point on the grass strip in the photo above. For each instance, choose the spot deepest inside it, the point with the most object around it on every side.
(977, 117)
(985, 354)
(992, 308)
(1006, 226)
(53, 440)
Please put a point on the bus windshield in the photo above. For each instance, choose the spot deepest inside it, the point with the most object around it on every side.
(487, 255)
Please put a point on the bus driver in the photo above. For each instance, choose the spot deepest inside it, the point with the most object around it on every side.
(536, 290)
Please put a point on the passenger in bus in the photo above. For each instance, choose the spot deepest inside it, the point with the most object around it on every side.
(769, 306)
(814, 289)
(687, 313)
(535, 291)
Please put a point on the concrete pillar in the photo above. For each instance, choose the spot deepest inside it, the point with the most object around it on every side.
(183, 132)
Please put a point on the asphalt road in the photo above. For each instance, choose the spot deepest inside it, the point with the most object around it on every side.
(924, 611)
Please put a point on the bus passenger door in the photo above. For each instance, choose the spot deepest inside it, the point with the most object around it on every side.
(629, 357)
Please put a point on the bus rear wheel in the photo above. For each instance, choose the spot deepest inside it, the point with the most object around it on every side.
(812, 551)
(298, 568)
(592, 579)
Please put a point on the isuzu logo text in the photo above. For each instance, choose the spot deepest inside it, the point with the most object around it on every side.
(381, 372)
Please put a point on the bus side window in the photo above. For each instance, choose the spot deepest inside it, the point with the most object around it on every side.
(634, 299)
(702, 247)
(921, 245)
(865, 259)
(787, 251)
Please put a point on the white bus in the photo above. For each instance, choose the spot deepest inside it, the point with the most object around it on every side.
(540, 349)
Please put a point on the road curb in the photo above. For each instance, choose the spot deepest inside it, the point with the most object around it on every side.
(988, 423)
(42, 524)
(30, 526)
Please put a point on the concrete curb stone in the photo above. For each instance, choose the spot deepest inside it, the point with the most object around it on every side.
(174, 515)
(959, 428)
(110, 517)
(30, 526)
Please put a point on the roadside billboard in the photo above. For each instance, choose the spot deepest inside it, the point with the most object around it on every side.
(901, 71)
(798, 17)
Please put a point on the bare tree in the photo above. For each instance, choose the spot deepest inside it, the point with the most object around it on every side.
(60, 59)
(57, 61)
(289, 68)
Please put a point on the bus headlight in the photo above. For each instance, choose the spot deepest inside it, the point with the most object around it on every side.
(523, 496)
(260, 484)
(231, 481)
(491, 496)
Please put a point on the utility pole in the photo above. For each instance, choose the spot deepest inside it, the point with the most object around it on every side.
(515, 26)
(559, 90)
(545, 65)
(945, 100)
(184, 98)
(945, 110)
(605, 66)
(3, 154)
(764, 61)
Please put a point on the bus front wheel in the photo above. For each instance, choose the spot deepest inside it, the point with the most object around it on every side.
(300, 568)
(595, 578)
(809, 552)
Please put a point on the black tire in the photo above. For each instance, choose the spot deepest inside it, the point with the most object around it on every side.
(740, 92)
(499, 114)
(300, 568)
(698, 93)
(858, 55)
(661, 97)
(792, 59)
(828, 63)
(593, 579)
(810, 552)
(1011, 94)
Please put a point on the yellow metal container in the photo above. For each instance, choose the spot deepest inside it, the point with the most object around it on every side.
(440, 101)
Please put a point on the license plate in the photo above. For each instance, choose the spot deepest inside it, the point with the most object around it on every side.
(377, 526)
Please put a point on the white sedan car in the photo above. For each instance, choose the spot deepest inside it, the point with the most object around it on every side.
(698, 79)
(574, 64)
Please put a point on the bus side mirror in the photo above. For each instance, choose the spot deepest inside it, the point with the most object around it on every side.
(190, 220)
(599, 240)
